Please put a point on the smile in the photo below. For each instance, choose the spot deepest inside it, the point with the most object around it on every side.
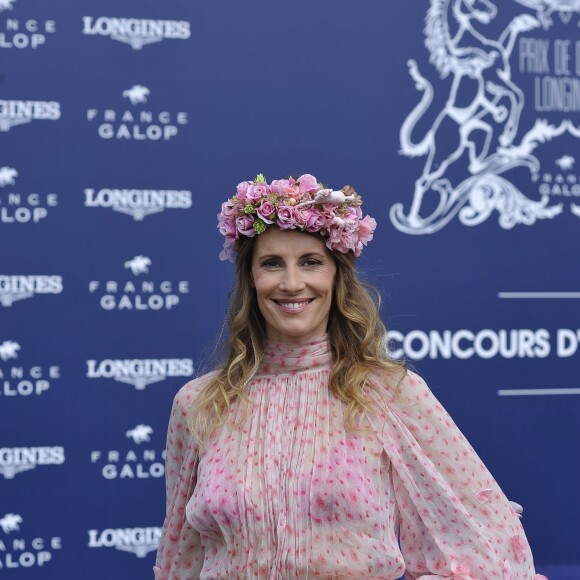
(295, 305)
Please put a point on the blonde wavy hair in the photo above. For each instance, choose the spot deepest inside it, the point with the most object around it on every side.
(356, 333)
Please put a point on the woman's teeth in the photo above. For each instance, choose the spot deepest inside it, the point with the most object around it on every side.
(294, 305)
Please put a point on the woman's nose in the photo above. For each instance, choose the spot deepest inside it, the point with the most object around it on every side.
(291, 280)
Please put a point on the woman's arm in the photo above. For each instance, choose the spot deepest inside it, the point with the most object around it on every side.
(180, 554)
(455, 521)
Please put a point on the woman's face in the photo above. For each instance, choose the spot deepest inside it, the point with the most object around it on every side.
(293, 274)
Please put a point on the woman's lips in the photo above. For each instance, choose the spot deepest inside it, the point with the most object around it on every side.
(294, 306)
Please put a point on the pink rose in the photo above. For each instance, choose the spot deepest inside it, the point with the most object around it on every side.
(286, 218)
(340, 239)
(310, 219)
(257, 190)
(229, 208)
(366, 227)
(242, 189)
(316, 223)
(327, 211)
(301, 215)
(308, 183)
(227, 226)
(266, 211)
(282, 186)
(245, 225)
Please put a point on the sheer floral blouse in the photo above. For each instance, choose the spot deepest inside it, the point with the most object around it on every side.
(288, 493)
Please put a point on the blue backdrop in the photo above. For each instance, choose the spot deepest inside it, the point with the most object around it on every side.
(125, 124)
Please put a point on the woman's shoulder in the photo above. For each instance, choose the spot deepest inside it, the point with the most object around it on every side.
(395, 378)
(399, 384)
(188, 392)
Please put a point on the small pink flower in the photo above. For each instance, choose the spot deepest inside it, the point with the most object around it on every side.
(282, 186)
(329, 215)
(242, 189)
(245, 225)
(227, 226)
(300, 214)
(315, 221)
(266, 211)
(257, 190)
(229, 208)
(340, 239)
(286, 218)
(350, 214)
(366, 227)
(308, 183)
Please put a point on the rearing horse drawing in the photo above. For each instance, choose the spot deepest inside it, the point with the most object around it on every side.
(479, 66)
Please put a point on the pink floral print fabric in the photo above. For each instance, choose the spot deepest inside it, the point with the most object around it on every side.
(286, 492)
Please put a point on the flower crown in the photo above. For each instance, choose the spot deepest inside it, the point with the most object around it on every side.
(295, 204)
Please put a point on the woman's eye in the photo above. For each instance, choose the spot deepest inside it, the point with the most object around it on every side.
(312, 262)
(270, 264)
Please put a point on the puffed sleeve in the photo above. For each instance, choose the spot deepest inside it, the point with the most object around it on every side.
(180, 554)
(455, 522)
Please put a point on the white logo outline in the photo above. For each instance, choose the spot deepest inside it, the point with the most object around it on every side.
(140, 434)
(26, 111)
(140, 550)
(52, 285)
(129, 207)
(10, 471)
(545, 9)
(54, 455)
(8, 176)
(137, 94)
(131, 371)
(6, 123)
(11, 523)
(6, 5)
(138, 265)
(8, 299)
(138, 214)
(135, 32)
(566, 162)
(9, 349)
(485, 190)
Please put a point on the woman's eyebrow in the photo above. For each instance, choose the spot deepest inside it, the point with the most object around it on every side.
(313, 255)
(279, 257)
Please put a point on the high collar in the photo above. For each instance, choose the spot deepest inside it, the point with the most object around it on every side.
(292, 357)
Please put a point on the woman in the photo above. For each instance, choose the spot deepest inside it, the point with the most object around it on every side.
(309, 453)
